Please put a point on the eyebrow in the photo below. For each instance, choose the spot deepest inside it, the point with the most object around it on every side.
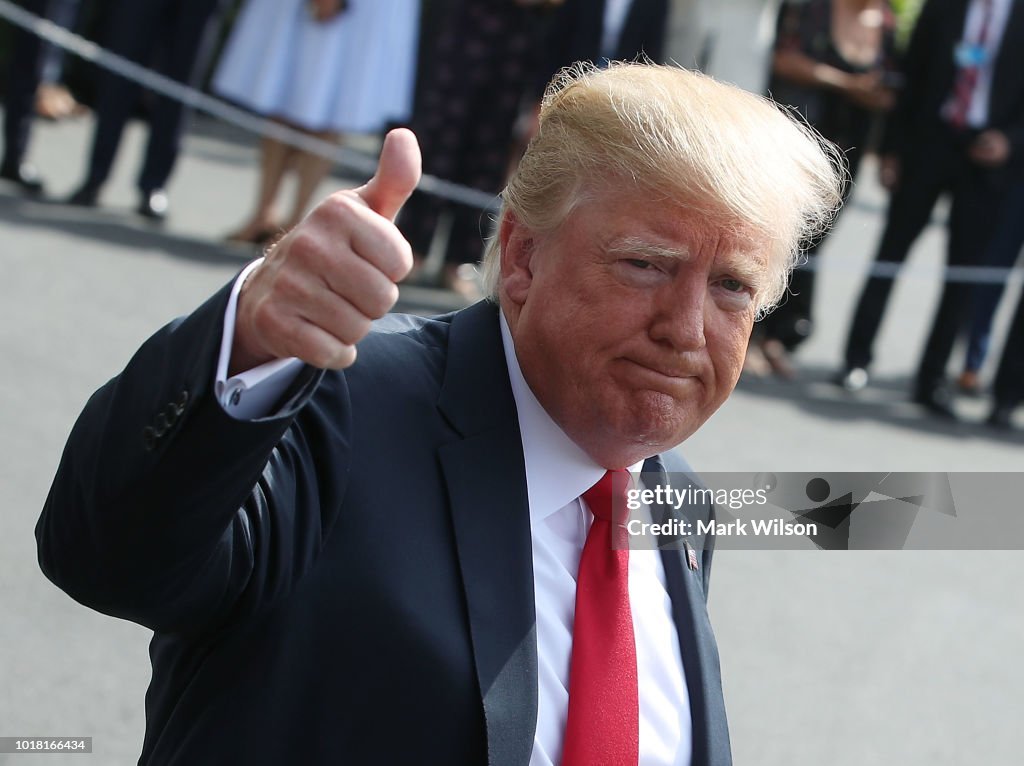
(743, 265)
(641, 246)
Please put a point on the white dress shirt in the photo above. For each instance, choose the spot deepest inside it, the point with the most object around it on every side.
(558, 472)
(977, 112)
(615, 13)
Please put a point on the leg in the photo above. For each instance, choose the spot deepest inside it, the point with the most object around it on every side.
(978, 198)
(311, 170)
(189, 36)
(440, 112)
(275, 158)
(22, 80)
(1009, 383)
(1003, 251)
(909, 210)
(130, 32)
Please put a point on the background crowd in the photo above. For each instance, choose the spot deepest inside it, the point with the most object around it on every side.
(935, 88)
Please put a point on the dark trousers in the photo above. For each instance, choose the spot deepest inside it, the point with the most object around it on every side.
(1002, 252)
(175, 36)
(790, 322)
(23, 75)
(1009, 382)
(939, 164)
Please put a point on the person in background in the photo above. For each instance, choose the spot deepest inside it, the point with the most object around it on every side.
(1002, 253)
(1008, 387)
(483, 62)
(324, 67)
(31, 62)
(958, 127)
(835, 61)
(53, 99)
(177, 38)
(605, 30)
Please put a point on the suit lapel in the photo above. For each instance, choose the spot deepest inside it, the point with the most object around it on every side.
(696, 643)
(486, 479)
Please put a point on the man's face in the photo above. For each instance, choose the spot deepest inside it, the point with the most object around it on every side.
(630, 321)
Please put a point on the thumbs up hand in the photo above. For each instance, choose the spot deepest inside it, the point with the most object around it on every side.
(320, 287)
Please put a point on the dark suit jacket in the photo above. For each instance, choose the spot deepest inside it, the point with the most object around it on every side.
(347, 582)
(930, 73)
(576, 29)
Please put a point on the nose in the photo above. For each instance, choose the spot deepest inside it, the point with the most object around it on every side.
(679, 316)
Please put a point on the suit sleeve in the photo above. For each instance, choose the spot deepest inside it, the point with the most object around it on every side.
(915, 65)
(168, 512)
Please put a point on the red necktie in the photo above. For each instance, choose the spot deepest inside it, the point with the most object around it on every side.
(604, 706)
(967, 79)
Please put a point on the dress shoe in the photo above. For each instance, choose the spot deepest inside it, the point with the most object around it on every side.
(1001, 417)
(969, 383)
(937, 399)
(153, 204)
(853, 379)
(85, 196)
(260, 235)
(24, 176)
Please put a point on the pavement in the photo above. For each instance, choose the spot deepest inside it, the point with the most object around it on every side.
(828, 657)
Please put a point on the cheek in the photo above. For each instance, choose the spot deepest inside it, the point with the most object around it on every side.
(727, 345)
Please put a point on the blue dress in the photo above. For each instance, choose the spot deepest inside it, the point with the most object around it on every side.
(353, 73)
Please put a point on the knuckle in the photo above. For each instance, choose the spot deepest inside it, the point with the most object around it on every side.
(404, 260)
(354, 330)
(340, 206)
(291, 286)
(304, 245)
(387, 298)
(267, 322)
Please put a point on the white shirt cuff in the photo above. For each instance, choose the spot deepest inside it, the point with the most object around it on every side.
(250, 394)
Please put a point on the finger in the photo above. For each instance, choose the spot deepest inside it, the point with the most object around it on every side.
(345, 228)
(317, 347)
(398, 172)
(363, 285)
(338, 317)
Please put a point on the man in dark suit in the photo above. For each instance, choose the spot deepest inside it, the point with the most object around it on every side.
(176, 37)
(958, 127)
(408, 558)
(596, 30)
(23, 77)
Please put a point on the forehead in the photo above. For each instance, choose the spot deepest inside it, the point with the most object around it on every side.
(655, 226)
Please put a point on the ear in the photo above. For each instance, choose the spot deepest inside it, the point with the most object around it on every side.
(517, 249)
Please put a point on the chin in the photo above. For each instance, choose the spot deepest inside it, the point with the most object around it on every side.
(647, 432)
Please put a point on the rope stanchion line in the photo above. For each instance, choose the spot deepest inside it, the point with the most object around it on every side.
(365, 165)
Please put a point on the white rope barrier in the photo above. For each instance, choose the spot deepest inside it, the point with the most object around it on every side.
(365, 165)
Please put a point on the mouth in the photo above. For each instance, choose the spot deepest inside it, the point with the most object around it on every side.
(665, 375)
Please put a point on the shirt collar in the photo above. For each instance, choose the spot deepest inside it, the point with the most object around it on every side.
(557, 470)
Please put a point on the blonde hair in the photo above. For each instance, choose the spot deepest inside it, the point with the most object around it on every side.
(730, 156)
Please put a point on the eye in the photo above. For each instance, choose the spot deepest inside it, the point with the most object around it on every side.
(733, 285)
(639, 263)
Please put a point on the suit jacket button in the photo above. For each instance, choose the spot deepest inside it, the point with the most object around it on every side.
(149, 438)
(162, 424)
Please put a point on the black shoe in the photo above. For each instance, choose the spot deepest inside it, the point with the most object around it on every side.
(1001, 417)
(85, 196)
(24, 176)
(938, 400)
(153, 204)
(853, 379)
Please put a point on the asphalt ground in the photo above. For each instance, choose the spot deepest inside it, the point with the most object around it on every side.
(828, 657)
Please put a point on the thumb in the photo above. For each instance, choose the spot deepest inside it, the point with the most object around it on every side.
(398, 172)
